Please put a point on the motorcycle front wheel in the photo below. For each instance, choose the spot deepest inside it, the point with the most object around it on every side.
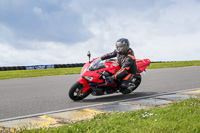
(75, 92)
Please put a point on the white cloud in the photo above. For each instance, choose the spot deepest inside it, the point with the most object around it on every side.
(63, 32)
(44, 53)
(157, 33)
(5, 33)
(37, 10)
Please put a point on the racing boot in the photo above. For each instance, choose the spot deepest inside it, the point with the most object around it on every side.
(128, 90)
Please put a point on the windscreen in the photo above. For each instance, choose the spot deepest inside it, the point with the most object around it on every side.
(96, 66)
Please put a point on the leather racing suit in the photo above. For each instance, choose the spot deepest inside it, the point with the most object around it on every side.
(128, 66)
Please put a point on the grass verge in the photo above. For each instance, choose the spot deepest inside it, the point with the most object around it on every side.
(174, 64)
(38, 73)
(77, 70)
(180, 117)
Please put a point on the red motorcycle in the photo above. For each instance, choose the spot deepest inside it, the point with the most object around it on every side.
(93, 78)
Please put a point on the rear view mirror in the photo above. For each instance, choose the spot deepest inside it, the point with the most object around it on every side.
(89, 55)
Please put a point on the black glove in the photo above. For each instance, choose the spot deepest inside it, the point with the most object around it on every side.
(110, 78)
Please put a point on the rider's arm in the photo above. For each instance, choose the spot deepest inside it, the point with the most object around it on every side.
(134, 65)
(109, 55)
(123, 71)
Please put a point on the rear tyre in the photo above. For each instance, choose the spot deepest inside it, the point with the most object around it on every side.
(75, 92)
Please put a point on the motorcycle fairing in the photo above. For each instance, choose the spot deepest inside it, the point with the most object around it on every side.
(85, 83)
(95, 73)
(142, 64)
(103, 84)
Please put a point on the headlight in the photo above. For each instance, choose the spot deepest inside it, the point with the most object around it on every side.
(82, 70)
(88, 78)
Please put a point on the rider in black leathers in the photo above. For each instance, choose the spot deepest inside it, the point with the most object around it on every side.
(126, 59)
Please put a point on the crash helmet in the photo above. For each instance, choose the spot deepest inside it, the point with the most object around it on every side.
(124, 43)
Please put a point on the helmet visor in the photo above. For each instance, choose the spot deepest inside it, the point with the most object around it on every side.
(120, 48)
(118, 44)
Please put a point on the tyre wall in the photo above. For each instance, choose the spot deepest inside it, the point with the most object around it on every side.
(53, 66)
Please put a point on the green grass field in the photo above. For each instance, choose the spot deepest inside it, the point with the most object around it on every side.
(177, 117)
(77, 70)
(38, 73)
(174, 64)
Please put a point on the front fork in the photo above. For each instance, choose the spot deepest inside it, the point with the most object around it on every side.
(85, 83)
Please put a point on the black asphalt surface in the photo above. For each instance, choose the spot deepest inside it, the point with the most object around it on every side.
(26, 96)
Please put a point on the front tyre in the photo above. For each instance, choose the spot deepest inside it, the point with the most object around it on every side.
(75, 92)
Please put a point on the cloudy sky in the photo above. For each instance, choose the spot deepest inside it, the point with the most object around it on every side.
(42, 32)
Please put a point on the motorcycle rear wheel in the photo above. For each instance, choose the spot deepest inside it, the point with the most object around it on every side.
(75, 92)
